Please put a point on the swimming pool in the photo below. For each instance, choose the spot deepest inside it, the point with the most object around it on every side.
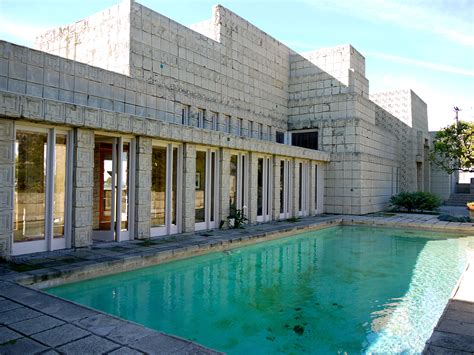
(338, 289)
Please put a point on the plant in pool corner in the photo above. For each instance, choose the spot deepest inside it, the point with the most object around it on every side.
(237, 218)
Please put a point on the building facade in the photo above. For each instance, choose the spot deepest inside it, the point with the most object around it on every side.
(128, 125)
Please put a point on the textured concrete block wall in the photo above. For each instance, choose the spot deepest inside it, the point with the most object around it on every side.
(224, 186)
(189, 187)
(83, 185)
(102, 39)
(142, 187)
(244, 74)
(7, 164)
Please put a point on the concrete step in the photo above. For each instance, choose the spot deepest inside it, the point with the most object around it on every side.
(459, 199)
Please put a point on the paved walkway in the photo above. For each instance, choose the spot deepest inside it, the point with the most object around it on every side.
(34, 322)
(454, 333)
(458, 211)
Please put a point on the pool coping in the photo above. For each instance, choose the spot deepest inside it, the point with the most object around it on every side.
(103, 260)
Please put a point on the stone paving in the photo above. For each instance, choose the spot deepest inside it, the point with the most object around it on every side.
(34, 322)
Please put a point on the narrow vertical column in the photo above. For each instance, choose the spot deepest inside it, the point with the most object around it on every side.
(253, 187)
(295, 177)
(312, 188)
(7, 164)
(143, 187)
(83, 185)
(276, 189)
(224, 178)
(189, 192)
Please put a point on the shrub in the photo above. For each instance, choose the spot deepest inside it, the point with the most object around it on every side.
(449, 218)
(237, 218)
(415, 201)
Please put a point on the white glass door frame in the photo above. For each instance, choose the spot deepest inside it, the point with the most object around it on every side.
(287, 189)
(49, 243)
(209, 203)
(169, 227)
(122, 235)
(115, 233)
(304, 183)
(242, 180)
(267, 195)
(318, 188)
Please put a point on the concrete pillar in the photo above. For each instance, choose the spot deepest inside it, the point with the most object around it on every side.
(189, 181)
(142, 188)
(253, 187)
(276, 189)
(83, 184)
(224, 178)
(7, 164)
(295, 176)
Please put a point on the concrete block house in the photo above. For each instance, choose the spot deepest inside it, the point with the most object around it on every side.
(127, 125)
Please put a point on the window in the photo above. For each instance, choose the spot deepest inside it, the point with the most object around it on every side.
(215, 118)
(239, 126)
(280, 137)
(200, 118)
(305, 139)
(269, 133)
(210, 120)
(260, 131)
(227, 123)
(185, 115)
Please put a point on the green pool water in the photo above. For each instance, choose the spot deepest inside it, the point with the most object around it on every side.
(352, 289)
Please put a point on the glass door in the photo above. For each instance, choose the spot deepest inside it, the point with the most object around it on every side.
(285, 188)
(41, 215)
(238, 182)
(264, 189)
(165, 187)
(112, 182)
(206, 189)
(303, 198)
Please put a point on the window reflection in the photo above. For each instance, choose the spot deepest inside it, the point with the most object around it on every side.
(30, 186)
(59, 186)
(158, 187)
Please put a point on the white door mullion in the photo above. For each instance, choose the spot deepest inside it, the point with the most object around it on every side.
(69, 175)
(50, 165)
(179, 190)
(131, 175)
(169, 187)
(238, 204)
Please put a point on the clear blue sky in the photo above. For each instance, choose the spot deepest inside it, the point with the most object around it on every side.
(426, 45)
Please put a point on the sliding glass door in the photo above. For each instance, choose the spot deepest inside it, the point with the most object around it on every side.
(303, 198)
(238, 182)
(165, 189)
(42, 214)
(285, 188)
(206, 189)
(264, 189)
(113, 182)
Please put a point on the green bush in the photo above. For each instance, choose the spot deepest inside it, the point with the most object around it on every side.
(415, 201)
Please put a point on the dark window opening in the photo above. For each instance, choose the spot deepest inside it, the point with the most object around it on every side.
(305, 140)
(280, 137)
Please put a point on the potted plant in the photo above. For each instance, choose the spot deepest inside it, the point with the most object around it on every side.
(470, 207)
